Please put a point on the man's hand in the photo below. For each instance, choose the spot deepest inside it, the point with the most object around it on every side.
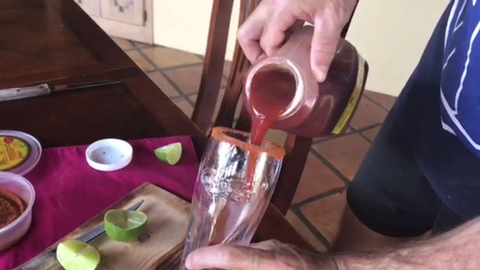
(456, 249)
(264, 31)
(269, 255)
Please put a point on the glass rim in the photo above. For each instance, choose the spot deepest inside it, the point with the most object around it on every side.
(274, 150)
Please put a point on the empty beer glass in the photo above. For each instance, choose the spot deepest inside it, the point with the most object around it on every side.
(234, 185)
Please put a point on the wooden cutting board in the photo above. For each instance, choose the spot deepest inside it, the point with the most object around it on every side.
(163, 238)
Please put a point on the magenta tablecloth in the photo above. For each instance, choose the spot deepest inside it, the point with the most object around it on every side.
(70, 192)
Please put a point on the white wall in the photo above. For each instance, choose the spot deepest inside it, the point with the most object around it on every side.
(390, 34)
(183, 24)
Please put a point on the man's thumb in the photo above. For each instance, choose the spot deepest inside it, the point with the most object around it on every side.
(228, 257)
(324, 46)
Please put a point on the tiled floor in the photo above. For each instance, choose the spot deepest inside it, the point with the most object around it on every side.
(332, 163)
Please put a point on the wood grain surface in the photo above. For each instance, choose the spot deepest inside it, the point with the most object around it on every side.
(166, 231)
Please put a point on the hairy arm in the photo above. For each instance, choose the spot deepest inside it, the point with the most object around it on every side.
(456, 249)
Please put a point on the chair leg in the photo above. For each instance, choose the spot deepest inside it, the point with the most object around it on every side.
(297, 150)
(213, 64)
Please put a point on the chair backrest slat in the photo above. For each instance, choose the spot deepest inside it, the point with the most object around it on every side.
(214, 61)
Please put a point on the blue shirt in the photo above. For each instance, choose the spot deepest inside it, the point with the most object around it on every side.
(438, 111)
(460, 87)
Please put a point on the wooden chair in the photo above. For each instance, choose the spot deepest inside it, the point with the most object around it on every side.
(297, 148)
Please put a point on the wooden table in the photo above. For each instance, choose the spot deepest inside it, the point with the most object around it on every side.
(55, 42)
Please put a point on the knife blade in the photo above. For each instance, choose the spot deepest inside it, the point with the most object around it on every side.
(44, 89)
(36, 263)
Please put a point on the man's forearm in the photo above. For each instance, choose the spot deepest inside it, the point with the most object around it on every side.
(456, 249)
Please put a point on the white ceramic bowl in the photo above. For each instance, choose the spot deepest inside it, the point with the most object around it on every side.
(109, 154)
(21, 187)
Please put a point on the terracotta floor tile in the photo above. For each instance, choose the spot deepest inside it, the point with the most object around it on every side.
(193, 97)
(345, 153)
(347, 130)
(165, 57)
(161, 82)
(124, 44)
(367, 114)
(219, 98)
(326, 213)
(217, 104)
(184, 105)
(141, 45)
(187, 78)
(304, 231)
(316, 179)
(140, 61)
(371, 133)
(276, 136)
(384, 100)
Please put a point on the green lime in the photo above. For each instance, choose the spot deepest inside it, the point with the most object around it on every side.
(77, 255)
(170, 153)
(123, 226)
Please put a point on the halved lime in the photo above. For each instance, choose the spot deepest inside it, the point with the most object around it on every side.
(122, 225)
(74, 254)
(170, 153)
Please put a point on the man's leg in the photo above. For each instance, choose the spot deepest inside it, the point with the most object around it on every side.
(356, 237)
(389, 200)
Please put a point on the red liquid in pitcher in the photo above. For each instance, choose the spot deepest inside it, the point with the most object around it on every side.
(272, 91)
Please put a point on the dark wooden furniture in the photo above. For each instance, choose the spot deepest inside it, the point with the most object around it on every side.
(297, 148)
(55, 42)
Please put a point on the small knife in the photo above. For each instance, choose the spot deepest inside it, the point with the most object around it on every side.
(44, 89)
(100, 229)
(36, 263)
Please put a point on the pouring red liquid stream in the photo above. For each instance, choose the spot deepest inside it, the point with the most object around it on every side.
(272, 92)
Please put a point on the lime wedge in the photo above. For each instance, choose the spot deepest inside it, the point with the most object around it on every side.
(124, 226)
(170, 153)
(77, 255)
